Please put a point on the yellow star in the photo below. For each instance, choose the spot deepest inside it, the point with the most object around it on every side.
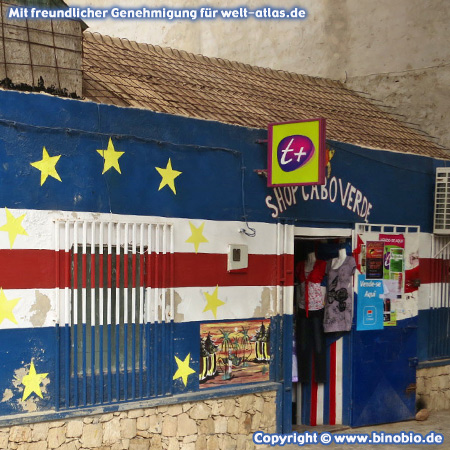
(213, 302)
(47, 166)
(32, 382)
(183, 370)
(168, 176)
(6, 308)
(111, 157)
(196, 237)
(13, 226)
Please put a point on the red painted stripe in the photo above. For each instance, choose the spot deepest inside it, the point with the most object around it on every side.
(36, 269)
(313, 410)
(434, 270)
(333, 383)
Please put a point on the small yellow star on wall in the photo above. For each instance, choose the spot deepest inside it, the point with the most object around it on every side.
(13, 226)
(32, 382)
(6, 308)
(196, 237)
(183, 370)
(47, 166)
(213, 302)
(168, 176)
(110, 157)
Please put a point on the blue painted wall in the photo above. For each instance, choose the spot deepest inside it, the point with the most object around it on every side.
(218, 182)
(209, 154)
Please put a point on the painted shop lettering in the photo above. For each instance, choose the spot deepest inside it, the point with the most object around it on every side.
(334, 190)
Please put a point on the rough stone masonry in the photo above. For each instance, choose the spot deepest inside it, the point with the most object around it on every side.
(225, 424)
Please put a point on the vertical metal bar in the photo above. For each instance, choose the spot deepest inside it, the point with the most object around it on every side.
(156, 353)
(67, 312)
(118, 302)
(57, 282)
(101, 311)
(75, 312)
(125, 306)
(172, 309)
(93, 318)
(109, 312)
(134, 285)
(141, 310)
(83, 309)
(151, 341)
(163, 310)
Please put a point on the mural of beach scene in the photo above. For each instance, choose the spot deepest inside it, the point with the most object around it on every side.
(234, 352)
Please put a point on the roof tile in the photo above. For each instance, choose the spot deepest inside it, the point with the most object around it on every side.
(126, 73)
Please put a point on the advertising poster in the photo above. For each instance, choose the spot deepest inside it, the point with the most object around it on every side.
(391, 298)
(369, 314)
(374, 260)
(394, 258)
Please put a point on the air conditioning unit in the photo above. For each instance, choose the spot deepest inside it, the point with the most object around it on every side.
(442, 201)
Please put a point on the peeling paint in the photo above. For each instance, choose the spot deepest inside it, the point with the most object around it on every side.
(263, 309)
(178, 316)
(7, 395)
(40, 309)
(31, 404)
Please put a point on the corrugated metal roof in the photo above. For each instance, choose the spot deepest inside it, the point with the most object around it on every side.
(125, 73)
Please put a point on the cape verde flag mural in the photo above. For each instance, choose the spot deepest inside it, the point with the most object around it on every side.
(112, 255)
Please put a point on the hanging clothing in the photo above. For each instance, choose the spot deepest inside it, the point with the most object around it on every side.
(311, 293)
(339, 303)
(311, 341)
(309, 324)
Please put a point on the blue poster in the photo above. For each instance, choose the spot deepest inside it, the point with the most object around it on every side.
(369, 314)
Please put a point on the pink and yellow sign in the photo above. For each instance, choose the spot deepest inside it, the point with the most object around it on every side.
(296, 153)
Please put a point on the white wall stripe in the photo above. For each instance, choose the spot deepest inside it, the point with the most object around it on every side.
(40, 235)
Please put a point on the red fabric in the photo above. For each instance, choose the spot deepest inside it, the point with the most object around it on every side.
(315, 276)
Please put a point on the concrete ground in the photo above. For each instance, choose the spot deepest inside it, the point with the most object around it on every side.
(438, 422)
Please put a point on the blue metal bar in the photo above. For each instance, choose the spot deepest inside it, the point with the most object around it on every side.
(100, 363)
(117, 361)
(92, 363)
(109, 387)
(125, 362)
(67, 364)
(171, 356)
(149, 366)
(83, 328)
(163, 358)
(141, 360)
(75, 364)
(58, 368)
(133, 361)
(155, 358)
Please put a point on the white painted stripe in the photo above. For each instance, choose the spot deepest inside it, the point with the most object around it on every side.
(241, 302)
(320, 406)
(339, 379)
(39, 228)
(35, 308)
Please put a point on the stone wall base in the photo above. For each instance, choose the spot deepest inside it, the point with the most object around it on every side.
(225, 424)
(433, 386)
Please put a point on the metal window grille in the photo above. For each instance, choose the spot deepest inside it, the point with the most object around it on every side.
(442, 201)
(439, 317)
(116, 310)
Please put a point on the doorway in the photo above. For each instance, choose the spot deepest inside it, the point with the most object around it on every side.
(321, 395)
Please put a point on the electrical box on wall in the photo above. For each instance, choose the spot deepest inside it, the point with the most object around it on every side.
(237, 257)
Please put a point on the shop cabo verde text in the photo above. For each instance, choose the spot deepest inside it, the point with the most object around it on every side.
(334, 190)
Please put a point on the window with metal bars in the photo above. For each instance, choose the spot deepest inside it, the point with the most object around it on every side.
(117, 310)
(439, 314)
